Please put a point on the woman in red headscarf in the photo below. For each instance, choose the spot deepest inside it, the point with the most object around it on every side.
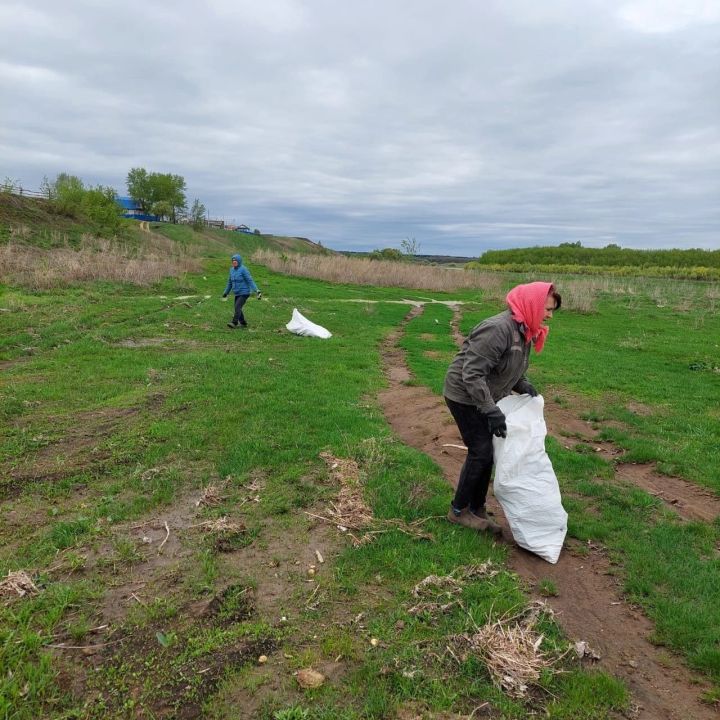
(490, 365)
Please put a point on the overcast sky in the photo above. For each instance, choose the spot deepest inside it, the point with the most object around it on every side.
(465, 124)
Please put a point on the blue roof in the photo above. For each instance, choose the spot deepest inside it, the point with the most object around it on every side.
(128, 203)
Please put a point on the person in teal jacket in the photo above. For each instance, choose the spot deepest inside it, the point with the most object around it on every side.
(241, 282)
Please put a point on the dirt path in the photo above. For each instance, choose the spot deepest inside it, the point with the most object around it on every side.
(590, 605)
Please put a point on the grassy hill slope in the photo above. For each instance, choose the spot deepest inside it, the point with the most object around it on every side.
(43, 248)
(35, 222)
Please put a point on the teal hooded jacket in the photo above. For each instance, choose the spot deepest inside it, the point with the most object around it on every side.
(240, 280)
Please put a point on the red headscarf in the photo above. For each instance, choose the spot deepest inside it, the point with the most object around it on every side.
(527, 303)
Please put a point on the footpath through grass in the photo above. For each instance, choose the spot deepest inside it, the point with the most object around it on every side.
(121, 406)
(651, 375)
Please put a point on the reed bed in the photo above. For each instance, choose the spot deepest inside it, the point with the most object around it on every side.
(95, 260)
(363, 271)
(579, 292)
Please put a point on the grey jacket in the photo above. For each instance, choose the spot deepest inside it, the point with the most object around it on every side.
(492, 361)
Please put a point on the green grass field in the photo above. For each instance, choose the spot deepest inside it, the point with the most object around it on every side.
(122, 405)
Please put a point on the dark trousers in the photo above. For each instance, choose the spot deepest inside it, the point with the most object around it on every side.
(240, 300)
(475, 474)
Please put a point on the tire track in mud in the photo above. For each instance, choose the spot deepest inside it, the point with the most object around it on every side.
(589, 605)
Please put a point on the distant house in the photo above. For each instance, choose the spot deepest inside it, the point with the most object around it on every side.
(132, 210)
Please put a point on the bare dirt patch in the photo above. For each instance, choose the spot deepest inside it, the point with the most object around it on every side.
(78, 449)
(590, 605)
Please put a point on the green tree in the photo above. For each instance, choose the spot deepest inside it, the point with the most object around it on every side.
(138, 188)
(165, 187)
(161, 208)
(146, 189)
(197, 214)
(68, 192)
(99, 205)
(392, 254)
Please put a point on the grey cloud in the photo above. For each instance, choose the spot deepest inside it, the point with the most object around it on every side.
(464, 125)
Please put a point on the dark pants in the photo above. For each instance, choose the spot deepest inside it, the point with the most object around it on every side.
(240, 300)
(475, 474)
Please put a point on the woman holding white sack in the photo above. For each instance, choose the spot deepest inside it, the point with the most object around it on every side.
(491, 365)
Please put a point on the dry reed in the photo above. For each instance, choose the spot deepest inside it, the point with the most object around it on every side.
(96, 260)
(362, 271)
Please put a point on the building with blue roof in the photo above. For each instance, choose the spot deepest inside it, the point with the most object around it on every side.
(133, 211)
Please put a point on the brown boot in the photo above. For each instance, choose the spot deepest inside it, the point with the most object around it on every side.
(481, 514)
(468, 520)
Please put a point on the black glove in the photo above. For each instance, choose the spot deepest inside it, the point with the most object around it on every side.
(526, 388)
(224, 295)
(496, 422)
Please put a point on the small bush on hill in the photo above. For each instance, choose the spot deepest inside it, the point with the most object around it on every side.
(97, 206)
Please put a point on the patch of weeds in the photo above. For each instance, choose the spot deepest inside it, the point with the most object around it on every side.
(126, 551)
(204, 572)
(227, 541)
(78, 628)
(233, 605)
(340, 642)
(161, 676)
(159, 610)
(547, 588)
(67, 533)
(295, 712)
(712, 697)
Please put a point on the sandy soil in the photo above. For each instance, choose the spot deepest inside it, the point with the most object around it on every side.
(590, 605)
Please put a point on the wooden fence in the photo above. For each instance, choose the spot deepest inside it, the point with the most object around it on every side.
(23, 192)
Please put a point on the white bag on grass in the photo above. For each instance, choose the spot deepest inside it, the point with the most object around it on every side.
(525, 483)
(300, 325)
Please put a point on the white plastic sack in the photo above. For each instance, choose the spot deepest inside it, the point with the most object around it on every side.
(525, 482)
(300, 325)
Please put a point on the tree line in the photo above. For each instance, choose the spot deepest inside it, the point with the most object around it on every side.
(163, 195)
(159, 194)
(610, 256)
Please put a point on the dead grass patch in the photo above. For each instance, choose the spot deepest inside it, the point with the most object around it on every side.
(439, 594)
(510, 649)
(17, 584)
(350, 511)
(96, 260)
(361, 271)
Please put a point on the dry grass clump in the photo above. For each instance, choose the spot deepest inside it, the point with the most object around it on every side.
(510, 648)
(17, 584)
(350, 509)
(439, 593)
(222, 525)
(351, 512)
(95, 260)
(211, 497)
(362, 271)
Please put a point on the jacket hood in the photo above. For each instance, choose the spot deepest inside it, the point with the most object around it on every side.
(238, 258)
